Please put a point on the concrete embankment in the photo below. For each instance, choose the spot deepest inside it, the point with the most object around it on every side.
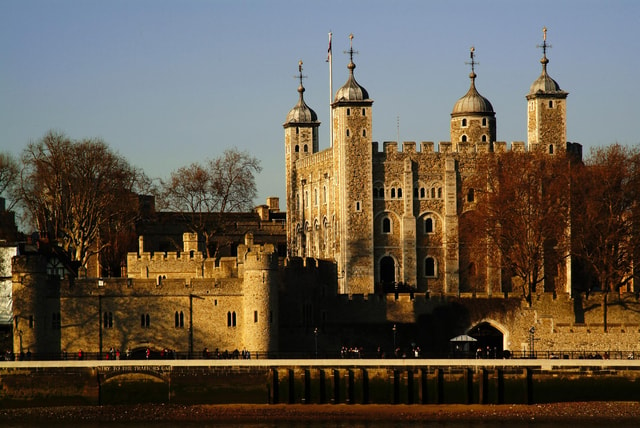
(412, 381)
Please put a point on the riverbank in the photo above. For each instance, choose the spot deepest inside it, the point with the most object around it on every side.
(556, 412)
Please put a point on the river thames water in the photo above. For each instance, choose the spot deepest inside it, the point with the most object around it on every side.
(332, 424)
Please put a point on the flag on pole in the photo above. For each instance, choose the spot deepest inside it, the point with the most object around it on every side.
(329, 50)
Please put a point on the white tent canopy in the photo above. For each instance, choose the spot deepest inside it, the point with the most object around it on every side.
(463, 338)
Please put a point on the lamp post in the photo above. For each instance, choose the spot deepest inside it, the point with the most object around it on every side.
(395, 330)
(315, 337)
(532, 338)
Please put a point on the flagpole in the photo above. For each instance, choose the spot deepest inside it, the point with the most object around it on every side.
(330, 60)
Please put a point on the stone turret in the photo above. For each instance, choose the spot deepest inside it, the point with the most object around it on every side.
(260, 295)
(547, 110)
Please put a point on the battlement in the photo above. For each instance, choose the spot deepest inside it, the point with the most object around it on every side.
(445, 147)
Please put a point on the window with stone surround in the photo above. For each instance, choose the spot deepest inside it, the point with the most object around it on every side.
(430, 267)
(464, 122)
(386, 225)
(428, 225)
(179, 319)
(145, 320)
(107, 320)
(231, 319)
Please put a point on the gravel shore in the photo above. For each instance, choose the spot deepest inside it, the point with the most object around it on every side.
(556, 412)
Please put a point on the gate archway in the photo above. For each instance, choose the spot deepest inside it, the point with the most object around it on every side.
(490, 340)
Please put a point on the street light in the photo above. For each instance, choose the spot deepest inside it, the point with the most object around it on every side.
(532, 338)
(315, 336)
(395, 330)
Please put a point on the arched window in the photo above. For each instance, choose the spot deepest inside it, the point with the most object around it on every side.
(306, 148)
(297, 130)
(422, 192)
(550, 149)
(386, 225)
(550, 104)
(364, 112)
(439, 192)
(364, 132)
(399, 192)
(484, 138)
(433, 192)
(231, 319)
(347, 132)
(464, 138)
(464, 122)
(297, 148)
(428, 225)
(430, 267)
(393, 192)
(484, 121)
(348, 112)
(470, 195)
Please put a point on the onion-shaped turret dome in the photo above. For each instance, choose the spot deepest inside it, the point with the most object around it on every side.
(544, 84)
(351, 91)
(301, 112)
(472, 101)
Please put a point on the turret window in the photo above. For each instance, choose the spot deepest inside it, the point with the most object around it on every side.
(464, 138)
(306, 148)
(347, 132)
(470, 195)
(550, 104)
(399, 192)
(348, 112)
(484, 138)
(364, 112)
(550, 149)
(484, 121)
(297, 130)
(430, 267)
(364, 132)
(393, 192)
(386, 225)
(428, 225)
(464, 122)
(297, 148)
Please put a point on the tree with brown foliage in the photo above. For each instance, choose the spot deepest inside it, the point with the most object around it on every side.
(74, 190)
(606, 218)
(522, 208)
(205, 193)
(8, 177)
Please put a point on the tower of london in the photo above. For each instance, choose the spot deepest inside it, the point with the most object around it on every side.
(391, 217)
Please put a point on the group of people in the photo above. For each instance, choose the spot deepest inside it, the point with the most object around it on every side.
(225, 355)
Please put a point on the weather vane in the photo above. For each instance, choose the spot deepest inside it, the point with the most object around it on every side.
(351, 51)
(472, 55)
(300, 75)
(544, 44)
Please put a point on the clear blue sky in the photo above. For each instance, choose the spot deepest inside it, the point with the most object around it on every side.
(167, 83)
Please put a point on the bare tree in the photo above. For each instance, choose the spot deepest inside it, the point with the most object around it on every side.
(205, 194)
(73, 189)
(522, 207)
(8, 177)
(606, 217)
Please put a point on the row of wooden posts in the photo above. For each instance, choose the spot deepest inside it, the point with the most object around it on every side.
(330, 388)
